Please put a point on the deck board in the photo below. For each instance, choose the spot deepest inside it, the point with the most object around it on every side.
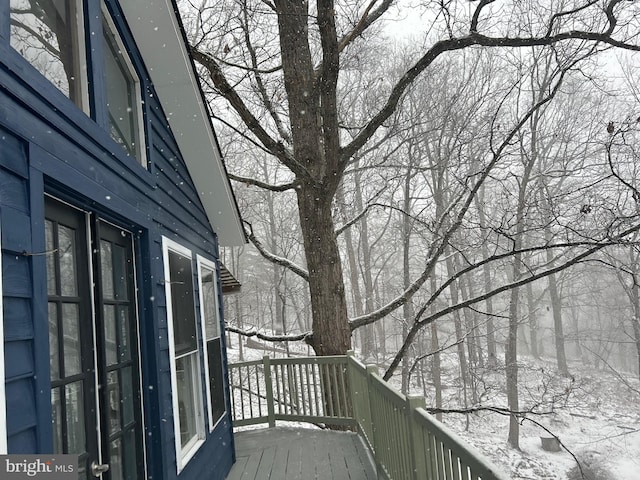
(300, 454)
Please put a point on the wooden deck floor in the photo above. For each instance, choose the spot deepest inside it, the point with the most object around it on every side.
(300, 454)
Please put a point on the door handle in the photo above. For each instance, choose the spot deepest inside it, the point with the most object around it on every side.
(98, 469)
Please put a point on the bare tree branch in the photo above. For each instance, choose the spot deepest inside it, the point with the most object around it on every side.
(439, 247)
(277, 149)
(270, 338)
(418, 324)
(266, 186)
(367, 19)
(260, 84)
(475, 38)
(283, 262)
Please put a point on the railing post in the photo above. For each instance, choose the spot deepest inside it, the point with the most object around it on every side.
(268, 384)
(355, 407)
(371, 370)
(415, 438)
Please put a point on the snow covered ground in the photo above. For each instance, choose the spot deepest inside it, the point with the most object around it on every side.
(596, 415)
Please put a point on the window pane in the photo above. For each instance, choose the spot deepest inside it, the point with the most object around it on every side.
(110, 334)
(67, 258)
(212, 326)
(130, 461)
(215, 378)
(120, 273)
(113, 389)
(182, 306)
(124, 349)
(127, 396)
(106, 262)
(54, 354)
(45, 32)
(71, 338)
(56, 420)
(115, 460)
(186, 400)
(75, 418)
(51, 258)
(121, 94)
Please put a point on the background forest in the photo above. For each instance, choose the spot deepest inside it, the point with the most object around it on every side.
(448, 187)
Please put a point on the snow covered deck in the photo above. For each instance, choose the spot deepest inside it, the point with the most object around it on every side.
(299, 453)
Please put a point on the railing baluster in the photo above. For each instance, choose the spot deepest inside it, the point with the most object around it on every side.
(306, 393)
(242, 403)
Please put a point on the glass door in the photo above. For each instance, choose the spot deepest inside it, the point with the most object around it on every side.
(96, 398)
(72, 366)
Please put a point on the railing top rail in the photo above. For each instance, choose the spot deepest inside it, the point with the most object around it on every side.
(292, 361)
(309, 360)
(249, 363)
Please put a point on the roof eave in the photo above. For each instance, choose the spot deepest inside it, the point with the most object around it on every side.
(159, 35)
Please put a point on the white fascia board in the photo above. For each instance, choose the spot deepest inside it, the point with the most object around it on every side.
(159, 37)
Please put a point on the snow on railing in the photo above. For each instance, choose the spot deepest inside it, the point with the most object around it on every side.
(405, 441)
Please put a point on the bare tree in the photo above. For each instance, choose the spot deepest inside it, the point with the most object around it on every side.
(278, 65)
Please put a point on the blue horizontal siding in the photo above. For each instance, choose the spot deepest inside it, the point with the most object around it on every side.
(18, 237)
(18, 314)
(47, 145)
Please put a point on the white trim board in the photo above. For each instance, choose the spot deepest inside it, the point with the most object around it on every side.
(3, 397)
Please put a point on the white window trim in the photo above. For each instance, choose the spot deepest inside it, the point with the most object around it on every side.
(142, 149)
(3, 397)
(182, 456)
(204, 262)
(82, 56)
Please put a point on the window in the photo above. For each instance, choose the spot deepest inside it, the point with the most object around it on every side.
(123, 93)
(210, 320)
(49, 34)
(188, 417)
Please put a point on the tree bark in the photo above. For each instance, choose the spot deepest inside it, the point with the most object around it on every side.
(331, 332)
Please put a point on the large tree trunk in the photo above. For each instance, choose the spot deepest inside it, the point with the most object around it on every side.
(316, 147)
(331, 332)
